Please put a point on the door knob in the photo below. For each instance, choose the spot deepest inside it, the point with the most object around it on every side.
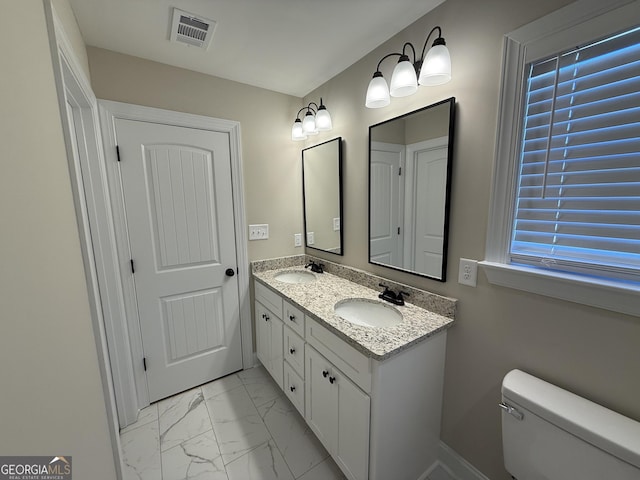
(230, 272)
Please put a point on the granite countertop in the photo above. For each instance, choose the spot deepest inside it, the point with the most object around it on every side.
(318, 298)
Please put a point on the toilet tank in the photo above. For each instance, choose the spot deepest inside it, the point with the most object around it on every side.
(551, 434)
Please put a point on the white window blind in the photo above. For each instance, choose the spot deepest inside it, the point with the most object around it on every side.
(578, 198)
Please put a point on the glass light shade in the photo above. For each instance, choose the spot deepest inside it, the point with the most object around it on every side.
(378, 92)
(436, 68)
(323, 119)
(404, 81)
(296, 131)
(309, 124)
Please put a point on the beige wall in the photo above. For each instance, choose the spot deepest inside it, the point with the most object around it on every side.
(51, 401)
(272, 162)
(590, 351)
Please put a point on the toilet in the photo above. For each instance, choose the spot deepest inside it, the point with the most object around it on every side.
(551, 434)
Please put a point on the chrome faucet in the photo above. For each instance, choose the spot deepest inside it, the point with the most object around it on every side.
(391, 296)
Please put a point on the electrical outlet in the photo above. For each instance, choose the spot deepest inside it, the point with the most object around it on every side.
(297, 239)
(310, 238)
(258, 232)
(336, 224)
(468, 272)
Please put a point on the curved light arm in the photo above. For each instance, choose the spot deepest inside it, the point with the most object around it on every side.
(426, 42)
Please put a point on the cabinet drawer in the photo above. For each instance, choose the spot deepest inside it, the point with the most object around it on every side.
(294, 350)
(293, 317)
(268, 298)
(294, 388)
(350, 361)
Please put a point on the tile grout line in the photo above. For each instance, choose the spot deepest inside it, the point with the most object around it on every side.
(215, 436)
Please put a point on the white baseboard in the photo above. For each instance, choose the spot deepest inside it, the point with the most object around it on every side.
(456, 466)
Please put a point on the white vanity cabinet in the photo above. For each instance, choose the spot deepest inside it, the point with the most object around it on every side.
(379, 419)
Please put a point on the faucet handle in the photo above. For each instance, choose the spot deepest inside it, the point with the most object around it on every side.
(400, 296)
(388, 293)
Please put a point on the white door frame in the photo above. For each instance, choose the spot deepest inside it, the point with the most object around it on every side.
(109, 111)
(73, 88)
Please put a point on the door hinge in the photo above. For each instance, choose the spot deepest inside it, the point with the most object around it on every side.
(133, 270)
(144, 363)
(399, 170)
(118, 152)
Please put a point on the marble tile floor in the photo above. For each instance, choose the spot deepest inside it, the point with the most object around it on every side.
(240, 427)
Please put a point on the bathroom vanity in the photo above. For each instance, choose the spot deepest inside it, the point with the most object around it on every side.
(372, 395)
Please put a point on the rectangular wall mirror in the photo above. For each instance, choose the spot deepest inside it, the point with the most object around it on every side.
(322, 196)
(409, 189)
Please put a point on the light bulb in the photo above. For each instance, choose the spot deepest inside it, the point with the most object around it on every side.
(323, 119)
(296, 131)
(377, 92)
(436, 68)
(404, 81)
(309, 124)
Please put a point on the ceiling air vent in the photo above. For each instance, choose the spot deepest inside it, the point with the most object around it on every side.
(192, 30)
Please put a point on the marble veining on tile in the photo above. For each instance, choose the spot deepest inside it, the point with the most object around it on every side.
(182, 417)
(198, 458)
(318, 298)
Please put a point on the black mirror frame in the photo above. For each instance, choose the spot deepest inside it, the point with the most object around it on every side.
(304, 198)
(443, 278)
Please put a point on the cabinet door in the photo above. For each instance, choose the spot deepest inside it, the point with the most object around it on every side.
(352, 447)
(269, 331)
(321, 400)
(277, 357)
(263, 336)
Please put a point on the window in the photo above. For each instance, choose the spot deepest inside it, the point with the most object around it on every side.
(565, 213)
(578, 195)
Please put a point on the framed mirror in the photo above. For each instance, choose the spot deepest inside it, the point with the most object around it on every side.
(322, 196)
(410, 161)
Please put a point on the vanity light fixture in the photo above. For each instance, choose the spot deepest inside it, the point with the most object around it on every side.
(315, 120)
(434, 69)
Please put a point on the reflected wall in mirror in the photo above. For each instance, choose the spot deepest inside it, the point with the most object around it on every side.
(322, 196)
(409, 188)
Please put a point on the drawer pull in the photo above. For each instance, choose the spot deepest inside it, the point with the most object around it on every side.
(332, 380)
(292, 351)
(292, 388)
(292, 318)
(325, 373)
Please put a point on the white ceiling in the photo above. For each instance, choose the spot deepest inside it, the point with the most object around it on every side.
(289, 46)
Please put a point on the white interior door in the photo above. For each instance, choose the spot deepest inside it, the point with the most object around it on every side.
(425, 202)
(386, 234)
(178, 198)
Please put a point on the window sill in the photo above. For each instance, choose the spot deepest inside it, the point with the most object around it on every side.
(607, 294)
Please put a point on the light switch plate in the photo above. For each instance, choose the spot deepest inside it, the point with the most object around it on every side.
(310, 238)
(336, 224)
(468, 272)
(259, 232)
(297, 239)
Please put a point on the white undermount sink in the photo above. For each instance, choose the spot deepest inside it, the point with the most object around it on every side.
(295, 276)
(367, 313)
